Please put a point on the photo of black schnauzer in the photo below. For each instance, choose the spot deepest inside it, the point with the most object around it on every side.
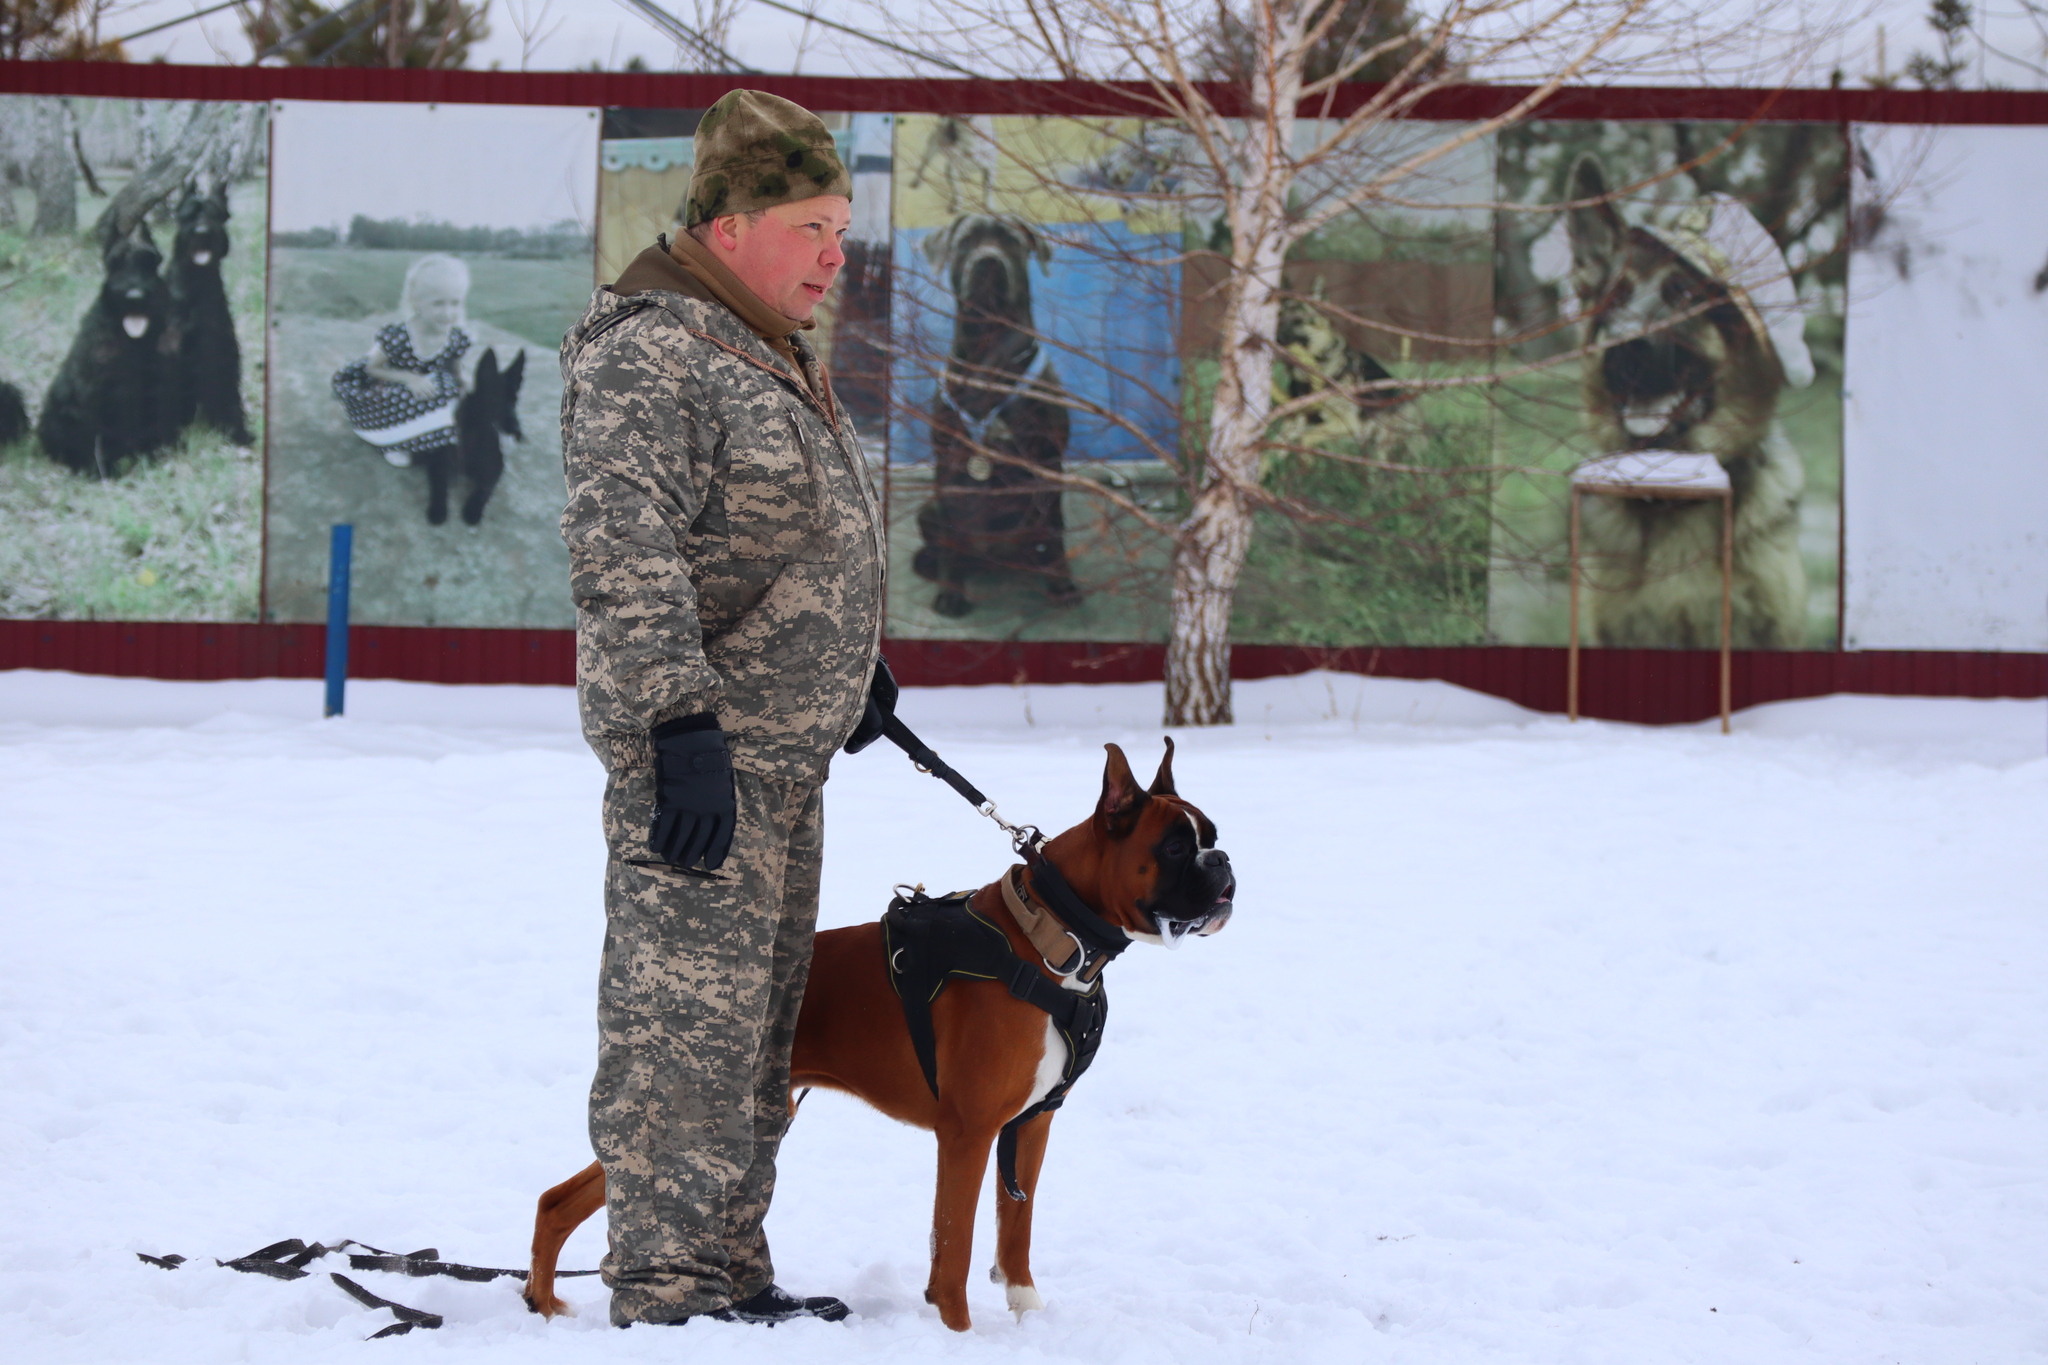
(119, 394)
(209, 358)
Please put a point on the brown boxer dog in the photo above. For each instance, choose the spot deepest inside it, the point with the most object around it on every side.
(1146, 862)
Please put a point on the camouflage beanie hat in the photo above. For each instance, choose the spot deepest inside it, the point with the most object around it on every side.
(755, 150)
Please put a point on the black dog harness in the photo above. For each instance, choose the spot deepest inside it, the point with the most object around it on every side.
(930, 940)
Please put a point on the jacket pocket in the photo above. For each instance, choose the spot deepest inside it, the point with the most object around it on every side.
(774, 507)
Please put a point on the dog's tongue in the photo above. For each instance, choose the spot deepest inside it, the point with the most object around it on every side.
(135, 324)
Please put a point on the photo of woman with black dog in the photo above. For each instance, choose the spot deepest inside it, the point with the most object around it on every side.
(418, 255)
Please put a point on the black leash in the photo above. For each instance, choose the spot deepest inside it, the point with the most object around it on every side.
(1097, 936)
(1080, 1016)
(1025, 838)
(287, 1260)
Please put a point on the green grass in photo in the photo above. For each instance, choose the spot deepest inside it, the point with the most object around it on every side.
(535, 299)
(1542, 437)
(1401, 557)
(178, 539)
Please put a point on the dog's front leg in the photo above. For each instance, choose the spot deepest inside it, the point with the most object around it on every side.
(1012, 1269)
(963, 1161)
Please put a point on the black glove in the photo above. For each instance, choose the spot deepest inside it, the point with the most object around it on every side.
(881, 706)
(694, 805)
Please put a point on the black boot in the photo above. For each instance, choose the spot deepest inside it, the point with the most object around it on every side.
(774, 1304)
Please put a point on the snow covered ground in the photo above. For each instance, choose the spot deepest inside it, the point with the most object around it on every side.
(1529, 1042)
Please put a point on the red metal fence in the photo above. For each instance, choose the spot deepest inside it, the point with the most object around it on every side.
(1655, 686)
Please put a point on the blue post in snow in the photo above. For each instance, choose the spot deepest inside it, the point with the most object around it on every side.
(339, 548)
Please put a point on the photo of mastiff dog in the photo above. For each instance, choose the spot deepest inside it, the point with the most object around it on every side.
(1693, 331)
(997, 422)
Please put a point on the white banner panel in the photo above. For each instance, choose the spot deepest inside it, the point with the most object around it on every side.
(1945, 422)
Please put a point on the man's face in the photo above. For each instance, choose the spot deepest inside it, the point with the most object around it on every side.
(789, 256)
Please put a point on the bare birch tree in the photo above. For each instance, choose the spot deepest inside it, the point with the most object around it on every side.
(1282, 147)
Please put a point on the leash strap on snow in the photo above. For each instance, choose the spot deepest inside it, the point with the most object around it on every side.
(287, 1260)
(408, 1318)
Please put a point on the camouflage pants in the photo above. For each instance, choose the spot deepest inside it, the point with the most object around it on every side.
(697, 1004)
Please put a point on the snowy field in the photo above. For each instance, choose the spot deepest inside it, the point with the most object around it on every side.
(1529, 1042)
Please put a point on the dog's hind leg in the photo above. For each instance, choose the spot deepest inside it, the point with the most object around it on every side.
(1012, 1268)
(484, 468)
(963, 1161)
(562, 1210)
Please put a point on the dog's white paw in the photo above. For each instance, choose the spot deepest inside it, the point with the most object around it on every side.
(1022, 1298)
(568, 1310)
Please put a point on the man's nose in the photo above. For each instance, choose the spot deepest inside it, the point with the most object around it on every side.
(834, 254)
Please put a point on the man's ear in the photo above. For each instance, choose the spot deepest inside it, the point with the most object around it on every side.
(1162, 782)
(725, 231)
(1122, 797)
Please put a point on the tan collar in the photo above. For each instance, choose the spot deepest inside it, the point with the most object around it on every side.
(1061, 950)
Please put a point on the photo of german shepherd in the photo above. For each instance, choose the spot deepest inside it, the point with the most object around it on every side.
(1682, 358)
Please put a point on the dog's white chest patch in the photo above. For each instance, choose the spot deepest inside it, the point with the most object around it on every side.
(1051, 1066)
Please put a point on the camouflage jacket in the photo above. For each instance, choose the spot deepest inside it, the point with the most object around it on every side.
(725, 542)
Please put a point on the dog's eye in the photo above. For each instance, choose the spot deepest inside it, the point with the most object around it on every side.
(1175, 848)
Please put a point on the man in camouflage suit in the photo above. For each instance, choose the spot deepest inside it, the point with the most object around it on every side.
(726, 561)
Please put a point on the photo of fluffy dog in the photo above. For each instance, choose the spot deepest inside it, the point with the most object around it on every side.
(156, 350)
(209, 370)
(1680, 288)
(119, 394)
(1682, 360)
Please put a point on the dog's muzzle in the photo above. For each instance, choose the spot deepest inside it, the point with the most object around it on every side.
(1214, 865)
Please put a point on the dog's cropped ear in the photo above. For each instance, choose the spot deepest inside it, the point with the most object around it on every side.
(1597, 234)
(509, 382)
(1122, 797)
(1162, 781)
(939, 245)
(1040, 248)
(487, 370)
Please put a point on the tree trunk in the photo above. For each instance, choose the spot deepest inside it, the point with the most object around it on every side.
(54, 174)
(1210, 551)
(201, 146)
(1206, 561)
